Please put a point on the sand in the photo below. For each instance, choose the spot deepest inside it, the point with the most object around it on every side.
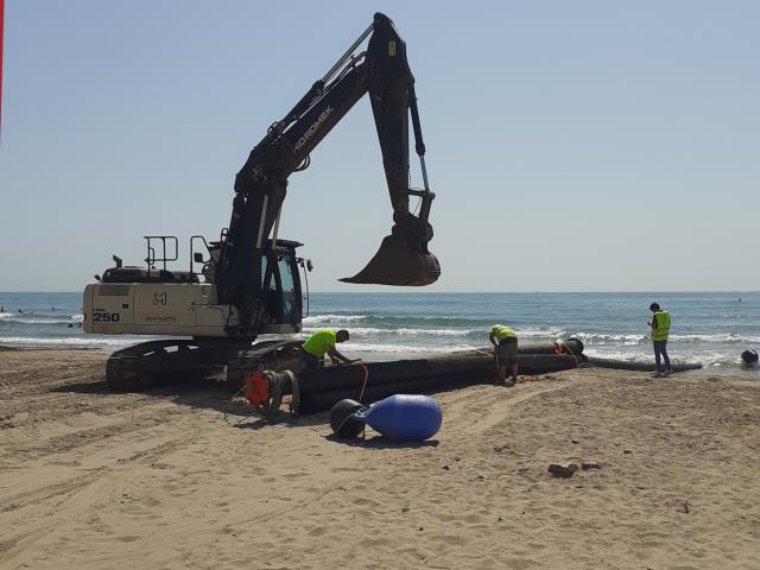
(181, 477)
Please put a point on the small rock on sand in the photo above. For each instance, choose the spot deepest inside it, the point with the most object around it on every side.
(564, 470)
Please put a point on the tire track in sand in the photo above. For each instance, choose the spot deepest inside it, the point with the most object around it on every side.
(489, 406)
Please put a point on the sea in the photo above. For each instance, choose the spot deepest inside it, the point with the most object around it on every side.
(710, 328)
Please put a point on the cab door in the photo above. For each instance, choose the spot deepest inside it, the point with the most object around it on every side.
(290, 286)
(281, 289)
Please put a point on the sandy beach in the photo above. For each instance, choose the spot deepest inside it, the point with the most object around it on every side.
(183, 477)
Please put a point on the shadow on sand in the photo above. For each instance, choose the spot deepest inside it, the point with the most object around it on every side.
(381, 442)
(204, 393)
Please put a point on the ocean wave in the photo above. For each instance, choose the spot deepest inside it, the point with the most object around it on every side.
(549, 335)
(371, 331)
(708, 359)
(334, 319)
(11, 318)
(403, 349)
(617, 339)
(727, 338)
(440, 326)
(637, 357)
(637, 339)
(403, 321)
(69, 342)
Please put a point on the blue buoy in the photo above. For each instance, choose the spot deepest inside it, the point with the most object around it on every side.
(404, 417)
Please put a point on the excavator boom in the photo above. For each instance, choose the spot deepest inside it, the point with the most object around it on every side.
(382, 71)
(403, 257)
(249, 284)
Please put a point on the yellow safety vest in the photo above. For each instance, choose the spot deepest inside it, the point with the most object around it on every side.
(321, 342)
(501, 332)
(663, 326)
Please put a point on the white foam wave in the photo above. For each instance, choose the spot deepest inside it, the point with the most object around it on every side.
(549, 335)
(624, 339)
(334, 319)
(71, 342)
(708, 359)
(638, 357)
(359, 318)
(40, 320)
(544, 334)
(403, 349)
(368, 331)
(636, 339)
(728, 338)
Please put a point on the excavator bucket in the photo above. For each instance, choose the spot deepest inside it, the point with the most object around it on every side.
(395, 263)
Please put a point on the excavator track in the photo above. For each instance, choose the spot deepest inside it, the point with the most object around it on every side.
(157, 362)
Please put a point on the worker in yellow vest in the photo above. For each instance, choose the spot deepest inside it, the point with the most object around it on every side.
(320, 343)
(660, 325)
(504, 340)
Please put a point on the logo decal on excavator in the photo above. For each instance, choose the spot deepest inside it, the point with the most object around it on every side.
(313, 128)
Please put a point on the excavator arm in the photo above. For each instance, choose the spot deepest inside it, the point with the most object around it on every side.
(382, 71)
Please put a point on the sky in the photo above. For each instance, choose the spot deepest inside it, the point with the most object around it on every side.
(572, 146)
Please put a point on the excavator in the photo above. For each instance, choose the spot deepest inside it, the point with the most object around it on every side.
(247, 283)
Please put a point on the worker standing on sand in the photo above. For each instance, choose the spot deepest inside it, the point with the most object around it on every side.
(504, 340)
(320, 343)
(660, 325)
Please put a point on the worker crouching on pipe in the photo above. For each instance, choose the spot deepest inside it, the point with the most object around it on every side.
(504, 340)
(320, 343)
